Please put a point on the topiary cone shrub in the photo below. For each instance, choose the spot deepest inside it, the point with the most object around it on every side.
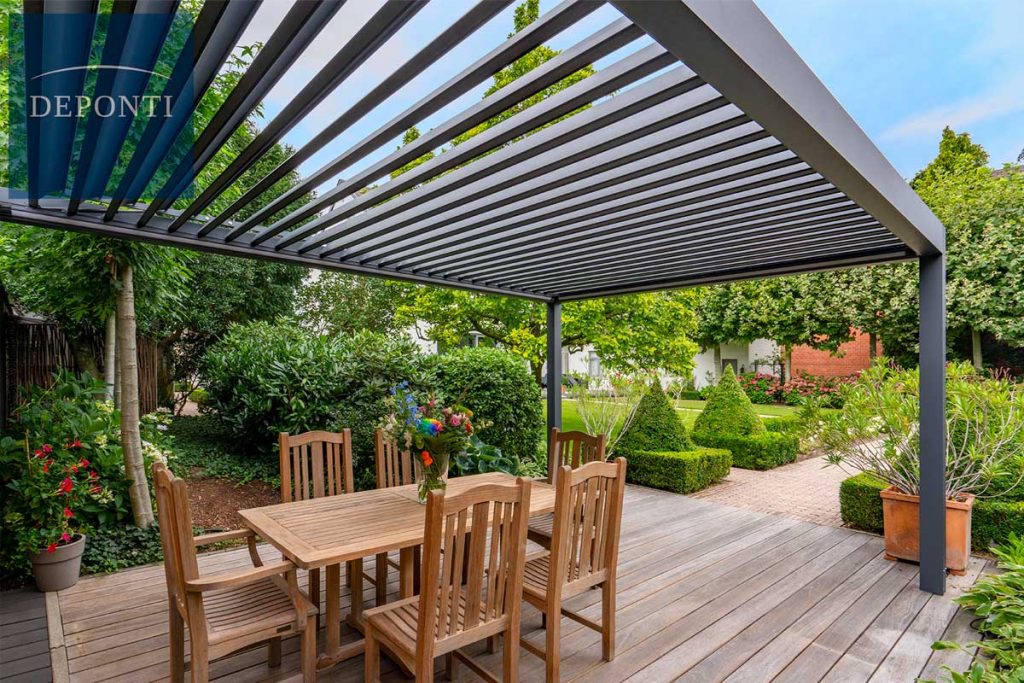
(728, 410)
(655, 427)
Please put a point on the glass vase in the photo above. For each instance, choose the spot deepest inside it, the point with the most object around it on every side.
(431, 473)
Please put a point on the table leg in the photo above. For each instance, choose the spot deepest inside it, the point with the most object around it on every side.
(406, 572)
(355, 574)
(334, 652)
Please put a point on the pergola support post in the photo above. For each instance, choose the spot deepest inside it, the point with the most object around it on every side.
(933, 423)
(554, 377)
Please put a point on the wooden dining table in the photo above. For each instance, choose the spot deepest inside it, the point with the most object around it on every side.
(328, 532)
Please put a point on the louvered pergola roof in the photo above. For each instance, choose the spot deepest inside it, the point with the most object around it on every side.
(707, 151)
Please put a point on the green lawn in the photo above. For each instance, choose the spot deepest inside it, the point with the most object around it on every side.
(688, 411)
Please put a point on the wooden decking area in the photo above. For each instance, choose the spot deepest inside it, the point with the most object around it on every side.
(706, 593)
(24, 639)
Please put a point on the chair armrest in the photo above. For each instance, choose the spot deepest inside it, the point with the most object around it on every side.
(239, 578)
(219, 536)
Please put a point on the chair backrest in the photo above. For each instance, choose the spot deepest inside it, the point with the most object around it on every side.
(316, 464)
(483, 569)
(175, 518)
(573, 449)
(588, 516)
(394, 466)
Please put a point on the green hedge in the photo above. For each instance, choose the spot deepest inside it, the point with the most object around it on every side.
(678, 471)
(756, 451)
(784, 425)
(992, 521)
(859, 503)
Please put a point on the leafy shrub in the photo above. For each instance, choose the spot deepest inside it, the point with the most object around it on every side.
(826, 390)
(877, 430)
(480, 458)
(755, 451)
(728, 410)
(655, 427)
(74, 409)
(499, 389)
(760, 387)
(996, 600)
(860, 504)
(113, 549)
(264, 379)
(678, 471)
(690, 396)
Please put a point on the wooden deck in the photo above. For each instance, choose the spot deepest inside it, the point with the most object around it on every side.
(24, 640)
(706, 593)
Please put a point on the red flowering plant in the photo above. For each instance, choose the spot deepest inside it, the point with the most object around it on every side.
(433, 433)
(55, 485)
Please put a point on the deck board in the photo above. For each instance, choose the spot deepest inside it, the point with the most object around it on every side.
(24, 639)
(706, 592)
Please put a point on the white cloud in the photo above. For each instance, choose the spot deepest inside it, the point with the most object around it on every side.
(1006, 97)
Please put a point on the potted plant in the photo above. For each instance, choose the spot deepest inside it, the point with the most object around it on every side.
(877, 431)
(53, 485)
(431, 432)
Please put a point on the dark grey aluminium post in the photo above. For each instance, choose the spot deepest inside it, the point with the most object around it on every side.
(554, 377)
(933, 423)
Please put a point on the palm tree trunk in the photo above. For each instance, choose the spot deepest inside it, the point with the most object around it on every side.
(131, 440)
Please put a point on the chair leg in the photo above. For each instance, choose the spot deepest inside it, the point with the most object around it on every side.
(552, 656)
(381, 577)
(274, 653)
(371, 656)
(608, 620)
(449, 666)
(200, 666)
(510, 655)
(492, 644)
(314, 592)
(177, 649)
(308, 650)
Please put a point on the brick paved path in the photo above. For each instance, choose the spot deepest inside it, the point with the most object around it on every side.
(805, 490)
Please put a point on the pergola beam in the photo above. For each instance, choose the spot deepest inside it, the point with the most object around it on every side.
(735, 48)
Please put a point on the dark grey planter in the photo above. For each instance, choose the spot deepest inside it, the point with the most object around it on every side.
(58, 570)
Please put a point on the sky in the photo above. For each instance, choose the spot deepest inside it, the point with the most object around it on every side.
(902, 68)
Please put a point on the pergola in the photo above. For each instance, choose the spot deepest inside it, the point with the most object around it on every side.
(707, 151)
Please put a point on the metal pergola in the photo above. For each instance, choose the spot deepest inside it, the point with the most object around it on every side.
(707, 152)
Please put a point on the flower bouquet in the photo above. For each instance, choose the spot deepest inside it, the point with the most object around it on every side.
(432, 433)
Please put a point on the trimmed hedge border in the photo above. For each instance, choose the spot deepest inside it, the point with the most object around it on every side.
(755, 452)
(678, 471)
(783, 425)
(992, 521)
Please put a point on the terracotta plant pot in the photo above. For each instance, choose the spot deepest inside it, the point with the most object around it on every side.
(901, 514)
(58, 570)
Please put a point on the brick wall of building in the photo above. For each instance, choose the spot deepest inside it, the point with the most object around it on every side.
(852, 358)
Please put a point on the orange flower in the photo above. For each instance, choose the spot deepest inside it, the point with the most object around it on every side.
(427, 460)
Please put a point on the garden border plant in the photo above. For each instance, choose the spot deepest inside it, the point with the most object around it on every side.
(678, 471)
(729, 421)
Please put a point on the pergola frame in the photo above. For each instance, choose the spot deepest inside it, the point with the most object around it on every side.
(720, 157)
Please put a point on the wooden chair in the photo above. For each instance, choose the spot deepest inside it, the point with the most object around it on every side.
(472, 585)
(584, 554)
(226, 611)
(394, 468)
(314, 465)
(565, 448)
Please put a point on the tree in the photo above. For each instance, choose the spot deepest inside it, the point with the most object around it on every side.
(340, 303)
(629, 333)
(790, 311)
